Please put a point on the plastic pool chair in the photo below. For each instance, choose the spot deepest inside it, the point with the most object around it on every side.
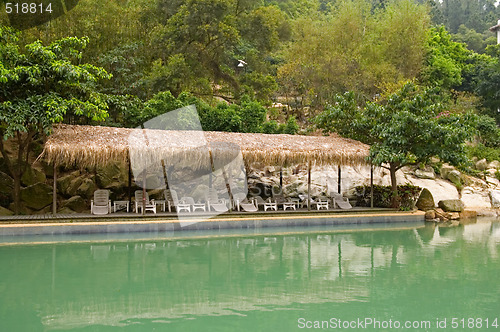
(149, 205)
(101, 204)
(341, 201)
(242, 202)
(214, 202)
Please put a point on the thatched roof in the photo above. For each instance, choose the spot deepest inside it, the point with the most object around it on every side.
(96, 145)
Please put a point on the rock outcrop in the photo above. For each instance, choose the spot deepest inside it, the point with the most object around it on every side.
(451, 205)
(425, 202)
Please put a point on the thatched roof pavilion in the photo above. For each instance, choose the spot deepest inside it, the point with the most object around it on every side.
(96, 145)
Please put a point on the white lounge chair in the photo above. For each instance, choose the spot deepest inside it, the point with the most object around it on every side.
(242, 202)
(321, 203)
(193, 207)
(341, 201)
(142, 201)
(101, 204)
(214, 202)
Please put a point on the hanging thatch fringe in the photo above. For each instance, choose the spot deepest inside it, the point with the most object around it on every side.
(89, 146)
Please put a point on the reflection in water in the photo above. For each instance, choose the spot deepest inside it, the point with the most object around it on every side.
(257, 282)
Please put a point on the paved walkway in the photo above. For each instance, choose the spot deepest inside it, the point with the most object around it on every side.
(120, 216)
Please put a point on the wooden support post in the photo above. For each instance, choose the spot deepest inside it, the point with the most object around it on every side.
(371, 186)
(281, 180)
(164, 173)
(309, 186)
(340, 179)
(129, 189)
(144, 191)
(54, 192)
(228, 186)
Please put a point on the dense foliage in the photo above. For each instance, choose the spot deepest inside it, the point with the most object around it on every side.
(409, 127)
(41, 85)
(382, 196)
(268, 66)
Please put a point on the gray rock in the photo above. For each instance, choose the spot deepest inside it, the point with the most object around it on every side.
(494, 164)
(452, 205)
(110, 176)
(468, 214)
(76, 203)
(63, 184)
(445, 169)
(22, 208)
(86, 189)
(430, 215)
(66, 210)
(45, 210)
(482, 165)
(454, 176)
(6, 184)
(495, 198)
(425, 174)
(37, 196)
(32, 176)
(74, 185)
(5, 212)
(425, 201)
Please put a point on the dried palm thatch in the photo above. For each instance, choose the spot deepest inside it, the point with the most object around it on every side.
(90, 146)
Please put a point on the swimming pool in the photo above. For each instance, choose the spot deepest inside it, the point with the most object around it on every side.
(256, 280)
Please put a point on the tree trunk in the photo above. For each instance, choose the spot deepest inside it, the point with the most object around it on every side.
(17, 193)
(394, 185)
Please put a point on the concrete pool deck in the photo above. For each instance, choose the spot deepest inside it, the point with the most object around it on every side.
(126, 223)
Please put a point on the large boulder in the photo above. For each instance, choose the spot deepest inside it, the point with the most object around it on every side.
(494, 164)
(76, 203)
(475, 198)
(86, 189)
(445, 169)
(427, 173)
(495, 198)
(5, 212)
(74, 185)
(64, 183)
(112, 176)
(37, 196)
(454, 176)
(482, 165)
(451, 205)
(6, 184)
(426, 201)
(66, 210)
(22, 208)
(468, 214)
(32, 176)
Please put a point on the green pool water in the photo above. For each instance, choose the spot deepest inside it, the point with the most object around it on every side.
(349, 279)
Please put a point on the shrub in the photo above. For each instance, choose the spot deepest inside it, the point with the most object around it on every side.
(382, 195)
(480, 151)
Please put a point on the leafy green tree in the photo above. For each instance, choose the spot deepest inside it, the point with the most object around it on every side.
(409, 127)
(353, 47)
(38, 87)
(445, 60)
(487, 80)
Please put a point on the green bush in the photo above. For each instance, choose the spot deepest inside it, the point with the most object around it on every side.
(382, 196)
(480, 151)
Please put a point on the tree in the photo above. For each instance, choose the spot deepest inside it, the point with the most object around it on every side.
(409, 127)
(487, 79)
(354, 47)
(445, 60)
(38, 87)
